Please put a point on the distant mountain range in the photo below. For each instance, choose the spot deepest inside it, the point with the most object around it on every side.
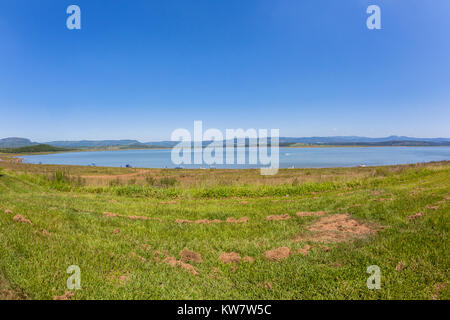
(284, 141)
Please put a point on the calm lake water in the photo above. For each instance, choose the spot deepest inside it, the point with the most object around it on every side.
(289, 157)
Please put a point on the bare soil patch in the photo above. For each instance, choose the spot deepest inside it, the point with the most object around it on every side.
(240, 220)
(138, 218)
(230, 257)
(341, 223)
(20, 218)
(187, 255)
(278, 217)
(310, 214)
(110, 214)
(337, 228)
(278, 254)
(178, 263)
(66, 296)
(124, 278)
(199, 221)
(415, 216)
(248, 259)
(207, 221)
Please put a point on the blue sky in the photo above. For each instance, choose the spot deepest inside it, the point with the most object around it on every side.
(141, 69)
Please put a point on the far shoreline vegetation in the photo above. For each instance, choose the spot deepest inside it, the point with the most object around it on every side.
(15, 145)
(47, 149)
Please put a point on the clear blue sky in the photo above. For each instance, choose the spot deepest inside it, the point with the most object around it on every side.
(140, 69)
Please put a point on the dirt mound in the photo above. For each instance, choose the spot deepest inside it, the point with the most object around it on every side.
(415, 216)
(66, 296)
(116, 231)
(429, 207)
(278, 217)
(178, 263)
(340, 223)
(337, 228)
(310, 214)
(230, 257)
(20, 218)
(240, 220)
(8, 211)
(187, 255)
(278, 254)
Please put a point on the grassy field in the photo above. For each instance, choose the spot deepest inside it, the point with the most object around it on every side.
(224, 234)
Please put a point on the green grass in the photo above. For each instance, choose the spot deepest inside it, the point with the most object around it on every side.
(72, 211)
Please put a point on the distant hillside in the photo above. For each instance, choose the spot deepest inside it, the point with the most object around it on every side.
(407, 143)
(355, 139)
(15, 142)
(284, 141)
(92, 143)
(34, 148)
